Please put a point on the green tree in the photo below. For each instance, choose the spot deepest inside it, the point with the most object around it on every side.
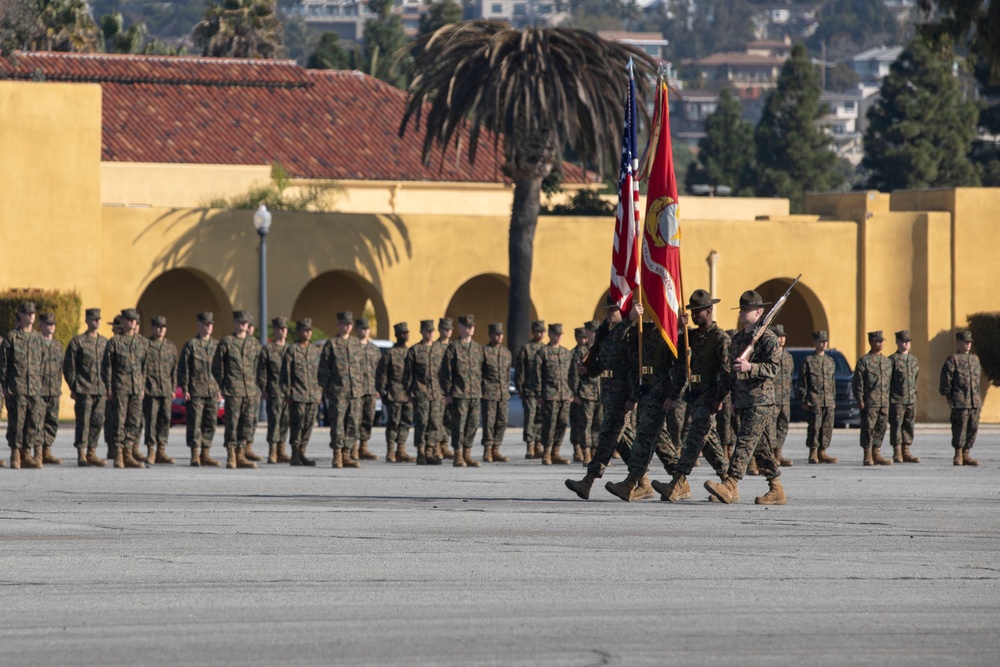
(48, 25)
(696, 29)
(920, 130)
(439, 14)
(277, 195)
(384, 41)
(329, 54)
(840, 77)
(847, 26)
(118, 39)
(794, 156)
(240, 29)
(530, 93)
(724, 153)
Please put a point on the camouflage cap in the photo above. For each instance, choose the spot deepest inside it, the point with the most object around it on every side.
(305, 324)
(445, 323)
(751, 299)
(495, 328)
(964, 336)
(92, 314)
(538, 326)
(555, 329)
(467, 320)
(580, 332)
(27, 308)
(205, 318)
(250, 319)
(159, 321)
(903, 336)
(362, 323)
(241, 316)
(280, 323)
(426, 325)
(47, 318)
(400, 328)
(591, 325)
(820, 337)
(778, 330)
(345, 317)
(130, 314)
(875, 336)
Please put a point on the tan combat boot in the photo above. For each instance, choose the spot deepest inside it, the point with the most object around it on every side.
(530, 450)
(588, 455)
(782, 461)
(390, 453)
(556, 458)
(161, 455)
(897, 454)
(150, 454)
(878, 459)
(624, 488)
(272, 452)
(967, 459)
(120, 457)
(581, 488)
(349, 460)
(47, 456)
(539, 450)
(813, 456)
(249, 454)
(429, 457)
(487, 453)
(469, 461)
(353, 453)
(365, 454)
(675, 490)
(498, 457)
(725, 490)
(642, 490)
(958, 458)
(402, 456)
(231, 457)
(195, 458)
(825, 458)
(458, 461)
(93, 459)
(129, 458)
(28, 462)
(446, 452)
(908, 457)
(338, 459)
(81, 456)
(775, 494)
(868, 458)
(283, 457)
(37, 457)
(242, 461)
(137, 453)
(577, 454)
(207, 460)
(546, 457)
(15, 458)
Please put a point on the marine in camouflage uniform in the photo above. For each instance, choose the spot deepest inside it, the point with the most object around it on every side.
(52, 361)
(110, 418)
(550, 383)
(705, 394)
(161, 382)
(903, 399)
(422, 384)
(371, 355)
(446, 412)
(124, 374)
(269, 383)
(253, 400)
(586, 392)
(234, 367)
(611, 362)
(496, 394)
(750, 381)
(82, 370)
(339, 375)
(299, 386)
(201, 391)
(591, 327)
(395, 401)
(522, 379)
(817, 392)
(21, 380)
(782, 396)
(870, 386)
(462, 386)
(960, 377)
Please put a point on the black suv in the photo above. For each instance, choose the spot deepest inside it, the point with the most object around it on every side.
(846, 413)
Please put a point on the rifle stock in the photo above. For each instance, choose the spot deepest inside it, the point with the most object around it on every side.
(765, 321)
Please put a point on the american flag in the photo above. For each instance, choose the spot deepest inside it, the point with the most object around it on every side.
(625, 254)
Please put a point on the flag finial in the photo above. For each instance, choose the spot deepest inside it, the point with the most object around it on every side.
(630, 65)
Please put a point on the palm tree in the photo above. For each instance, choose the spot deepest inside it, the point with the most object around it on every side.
(534, 91)
(240, 29)
(59, 25)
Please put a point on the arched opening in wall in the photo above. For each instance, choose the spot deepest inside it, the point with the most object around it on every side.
(336, 291)
(179, 295)
(802, 314)
(487, 297)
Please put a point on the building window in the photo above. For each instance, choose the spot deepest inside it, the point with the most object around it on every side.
(496, 8)
(520, 9)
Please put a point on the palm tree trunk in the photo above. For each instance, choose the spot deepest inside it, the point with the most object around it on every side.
(523, 221)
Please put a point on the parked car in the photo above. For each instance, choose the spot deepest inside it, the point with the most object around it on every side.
(178, 409)
(846, 413)
(323, 418)
(515, 407)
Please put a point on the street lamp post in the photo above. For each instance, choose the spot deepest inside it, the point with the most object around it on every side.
(262, 223)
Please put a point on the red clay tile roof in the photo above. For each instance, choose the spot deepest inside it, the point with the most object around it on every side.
(317, 124)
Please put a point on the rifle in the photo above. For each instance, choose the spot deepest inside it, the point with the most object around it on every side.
(765, 321)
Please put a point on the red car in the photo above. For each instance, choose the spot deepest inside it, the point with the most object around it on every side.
(178, 409)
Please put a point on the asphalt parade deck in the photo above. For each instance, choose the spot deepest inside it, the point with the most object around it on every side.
(502, 565)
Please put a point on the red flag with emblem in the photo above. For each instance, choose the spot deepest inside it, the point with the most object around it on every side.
(661, 234)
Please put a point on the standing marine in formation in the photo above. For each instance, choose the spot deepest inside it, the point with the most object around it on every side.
(269, 383)
(161, 381)
(52, 362)
(124, 373)
(21, 381)
(339, 375)
(817, 391)
(421, 381)
(870, 386)
(300, 387)
(960, 377)
(395, 401)
(782, 396)
(522, 383)
(496, 394)
(903, 399)
(550, 384)
(462, 387)
(371, 355)
(200, 391)
(234, 367)
(82, 371)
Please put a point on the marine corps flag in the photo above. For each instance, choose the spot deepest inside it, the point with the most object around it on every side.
(661, 235)
(625, 253)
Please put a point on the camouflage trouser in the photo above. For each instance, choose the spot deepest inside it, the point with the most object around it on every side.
(89, 420)
(724, 424)
(964, 426)
(464, 422)
(128, 419)
(343, 416)
(649, 432)
(754, 439)
(25, 420)
(494, 422)
(901, 417)
(595, 425)
(702, 437)
(532, 419)
(439, 432)
(398, 419)
(677, 421)
(277, 420)
(781, 425)
(201, 416)
(50, 422)
(110, 428)
(301, 419)
(555, 420)
(819, 428)
(156, 413)
(873, 425)
(366, 417)
(425, 426)
(448, 417)
(253, 412)
(617, 428)
(240, 420)
(581, 423)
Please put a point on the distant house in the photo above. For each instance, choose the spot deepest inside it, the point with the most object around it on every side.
(872, 65)
(652, 43)
(739, 70)
(346, 18)
(845, 121)
(519, 13)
